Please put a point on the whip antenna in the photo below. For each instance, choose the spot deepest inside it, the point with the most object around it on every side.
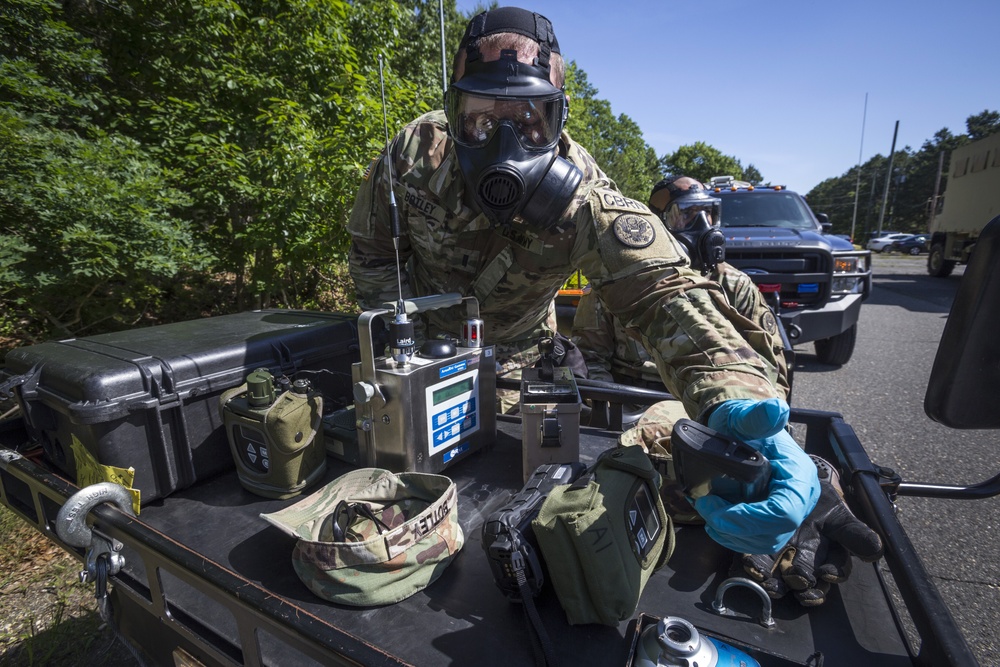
(401, 332)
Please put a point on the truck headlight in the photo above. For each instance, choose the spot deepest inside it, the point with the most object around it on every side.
(851, 266)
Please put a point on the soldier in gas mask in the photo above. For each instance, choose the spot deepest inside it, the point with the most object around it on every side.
(497, 201)
(691, 214)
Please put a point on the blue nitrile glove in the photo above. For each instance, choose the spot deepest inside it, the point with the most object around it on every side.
(765, 526)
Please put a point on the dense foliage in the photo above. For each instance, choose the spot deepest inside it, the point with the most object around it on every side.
(615, 142)
(163, 160)
(149, 147)
(89, 230)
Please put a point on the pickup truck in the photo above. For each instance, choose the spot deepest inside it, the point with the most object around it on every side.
(198, 578)
(815, 282)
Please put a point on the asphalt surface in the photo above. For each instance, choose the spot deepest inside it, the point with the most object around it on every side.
(880, 392)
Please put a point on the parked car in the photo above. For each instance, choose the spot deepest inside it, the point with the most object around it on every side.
(914, 245)
(881, 243)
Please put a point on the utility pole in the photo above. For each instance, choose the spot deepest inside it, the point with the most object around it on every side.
(857, 185)
(888, 179)
(868, 207)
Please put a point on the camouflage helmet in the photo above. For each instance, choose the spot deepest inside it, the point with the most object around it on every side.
(373, 537)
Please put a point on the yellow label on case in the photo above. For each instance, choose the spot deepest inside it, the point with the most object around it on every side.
(90, 471)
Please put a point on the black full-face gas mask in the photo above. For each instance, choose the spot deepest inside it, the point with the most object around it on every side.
(693, 219)
(506, 118)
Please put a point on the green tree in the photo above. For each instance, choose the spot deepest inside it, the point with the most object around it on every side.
(615, 142)
(982, 125)
(257, 106)
(269, 112)
(702, 161)
(88, 235)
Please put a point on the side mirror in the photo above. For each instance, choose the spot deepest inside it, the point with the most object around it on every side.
(824, 222)
(963, 388)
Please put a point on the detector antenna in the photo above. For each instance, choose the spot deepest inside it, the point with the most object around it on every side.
(402, 340)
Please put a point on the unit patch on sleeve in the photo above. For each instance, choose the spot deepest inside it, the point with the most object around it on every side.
(615, 201)
(767, 322)
(633, 230)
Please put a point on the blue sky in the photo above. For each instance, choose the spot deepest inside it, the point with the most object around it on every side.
(782, 85)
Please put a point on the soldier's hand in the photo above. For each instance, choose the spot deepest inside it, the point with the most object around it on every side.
(762, 527)
(820, 552)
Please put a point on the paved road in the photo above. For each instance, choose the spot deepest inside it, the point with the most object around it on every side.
(880, 392)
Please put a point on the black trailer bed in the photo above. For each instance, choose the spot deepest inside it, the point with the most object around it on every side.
(224, 589)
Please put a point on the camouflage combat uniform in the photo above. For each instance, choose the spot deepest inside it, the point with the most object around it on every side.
(612, 355)
(705, 350)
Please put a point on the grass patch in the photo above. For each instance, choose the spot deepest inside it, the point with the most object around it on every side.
(47, 617)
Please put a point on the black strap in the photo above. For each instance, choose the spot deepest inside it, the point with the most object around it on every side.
(584, 480)
(345, 514)
(543, 31)
(511, 19)
(541, 644)
(472, 35)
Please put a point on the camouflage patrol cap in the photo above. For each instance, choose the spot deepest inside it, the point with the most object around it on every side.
(373, 537)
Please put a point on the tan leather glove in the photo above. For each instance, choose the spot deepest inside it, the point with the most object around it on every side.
(819, 553)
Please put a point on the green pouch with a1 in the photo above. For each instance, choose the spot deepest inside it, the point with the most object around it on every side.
(603, 536)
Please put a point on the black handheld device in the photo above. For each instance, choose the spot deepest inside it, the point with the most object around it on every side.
(705, 461)
(508, 539)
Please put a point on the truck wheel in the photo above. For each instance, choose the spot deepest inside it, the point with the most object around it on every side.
(837, 350)
(937, 265)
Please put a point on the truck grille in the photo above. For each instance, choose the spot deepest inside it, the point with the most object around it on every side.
(804, 277)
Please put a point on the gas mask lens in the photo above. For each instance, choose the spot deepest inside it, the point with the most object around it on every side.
(684, 212)
(535, 120)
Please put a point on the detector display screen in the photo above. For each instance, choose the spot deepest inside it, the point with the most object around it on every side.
(451, 391)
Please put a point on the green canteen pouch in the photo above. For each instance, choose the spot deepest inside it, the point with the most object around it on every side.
(603, 536)
(373, 537)
(278, 448)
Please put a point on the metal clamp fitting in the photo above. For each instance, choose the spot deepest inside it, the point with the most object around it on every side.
(71, 526)
(765, 617)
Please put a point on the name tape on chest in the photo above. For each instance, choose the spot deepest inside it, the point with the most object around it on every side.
(522, 239)
(416, 201)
